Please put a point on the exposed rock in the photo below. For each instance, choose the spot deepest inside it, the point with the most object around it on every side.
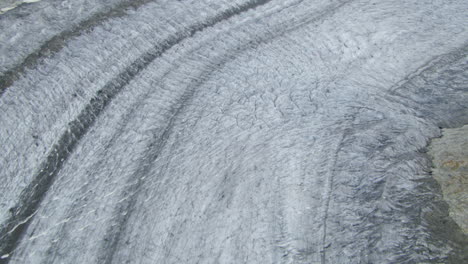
(450, 157)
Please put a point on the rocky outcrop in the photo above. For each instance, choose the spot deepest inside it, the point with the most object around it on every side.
(450, 158)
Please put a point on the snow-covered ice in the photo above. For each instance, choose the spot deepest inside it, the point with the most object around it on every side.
(261, 131)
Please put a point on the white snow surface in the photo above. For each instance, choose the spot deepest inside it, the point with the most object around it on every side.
(232, 132)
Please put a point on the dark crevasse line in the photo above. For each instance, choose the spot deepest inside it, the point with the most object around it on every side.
(451, 111)
(58, 42)
(125, 209)
(31, 197)
(437, 95)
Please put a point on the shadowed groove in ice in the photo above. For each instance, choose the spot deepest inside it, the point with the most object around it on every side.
(292, 133)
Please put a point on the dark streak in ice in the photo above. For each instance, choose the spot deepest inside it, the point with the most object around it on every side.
(58, 42)
(32, 195)
(292, 133)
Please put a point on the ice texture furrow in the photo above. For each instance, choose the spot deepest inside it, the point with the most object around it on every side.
(236, 132)
(57, 42)
(32, 195)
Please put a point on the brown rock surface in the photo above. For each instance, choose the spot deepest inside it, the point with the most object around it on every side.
(450, 158)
